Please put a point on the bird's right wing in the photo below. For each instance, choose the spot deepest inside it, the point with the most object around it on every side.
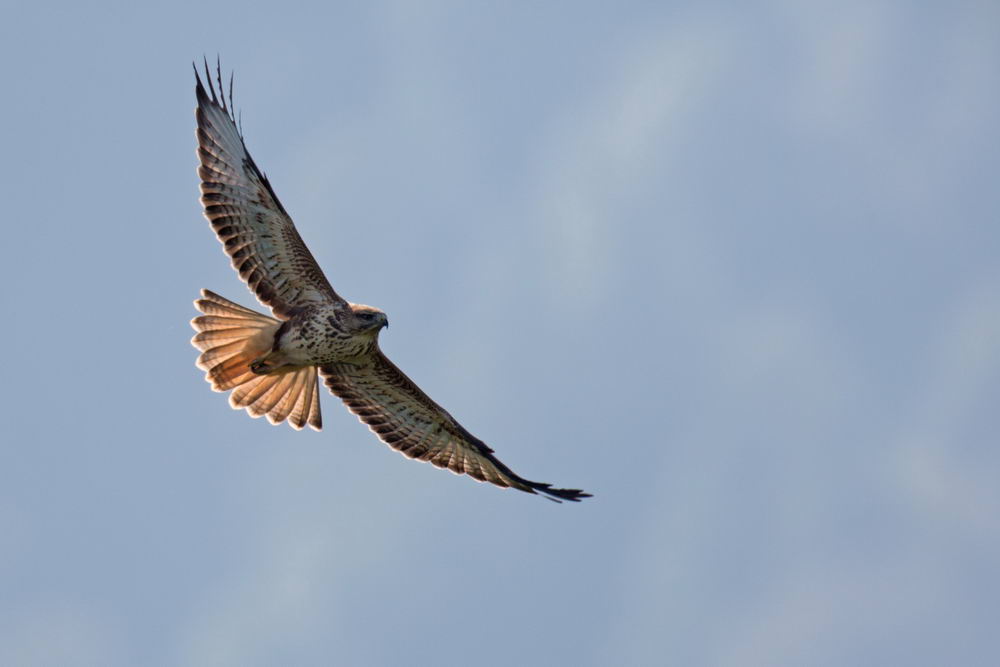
(258, 234)
(406, 419)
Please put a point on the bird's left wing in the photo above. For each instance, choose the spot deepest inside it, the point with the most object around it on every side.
(406, 419)
(257, 233)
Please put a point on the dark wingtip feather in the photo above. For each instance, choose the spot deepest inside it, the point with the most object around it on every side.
(199, 88)
(559, 495)
(208, 77)
(222, 88)
(546, 490)
(209, 96)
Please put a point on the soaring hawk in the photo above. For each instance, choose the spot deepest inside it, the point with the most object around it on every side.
(271, 363)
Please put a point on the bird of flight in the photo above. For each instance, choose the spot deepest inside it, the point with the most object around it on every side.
(271, 363)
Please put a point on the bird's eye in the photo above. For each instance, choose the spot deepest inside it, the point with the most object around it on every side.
(367, 316)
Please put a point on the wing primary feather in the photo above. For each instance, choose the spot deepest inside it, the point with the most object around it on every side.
(208, 77)
(231, 107)
(218, 77)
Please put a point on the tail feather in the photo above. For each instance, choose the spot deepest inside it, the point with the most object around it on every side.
(234, 371)
(213, 304)
(270, 399)
(291, 398)
(247, 393)
(225, 351)
(307, 404)
(231, 336)
(228, 322)
(207, 339)
(283, 408)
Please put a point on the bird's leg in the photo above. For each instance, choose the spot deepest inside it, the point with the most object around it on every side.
(269, 363)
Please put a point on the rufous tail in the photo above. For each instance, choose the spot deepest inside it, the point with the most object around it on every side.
(230, 337)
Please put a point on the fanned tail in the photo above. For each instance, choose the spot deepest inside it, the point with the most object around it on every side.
(230, 337)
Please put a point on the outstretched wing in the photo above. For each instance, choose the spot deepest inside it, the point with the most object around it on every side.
(407, 420)
(245, 213)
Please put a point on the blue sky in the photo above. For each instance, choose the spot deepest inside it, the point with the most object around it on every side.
(732, 267)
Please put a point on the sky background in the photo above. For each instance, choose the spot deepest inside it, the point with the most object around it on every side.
(734, 268)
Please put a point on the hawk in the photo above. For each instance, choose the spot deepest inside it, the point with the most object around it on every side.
(271, 363)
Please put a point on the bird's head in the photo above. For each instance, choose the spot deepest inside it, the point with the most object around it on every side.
(367, 319)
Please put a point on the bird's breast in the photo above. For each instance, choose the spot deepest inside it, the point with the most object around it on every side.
(319, 338)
